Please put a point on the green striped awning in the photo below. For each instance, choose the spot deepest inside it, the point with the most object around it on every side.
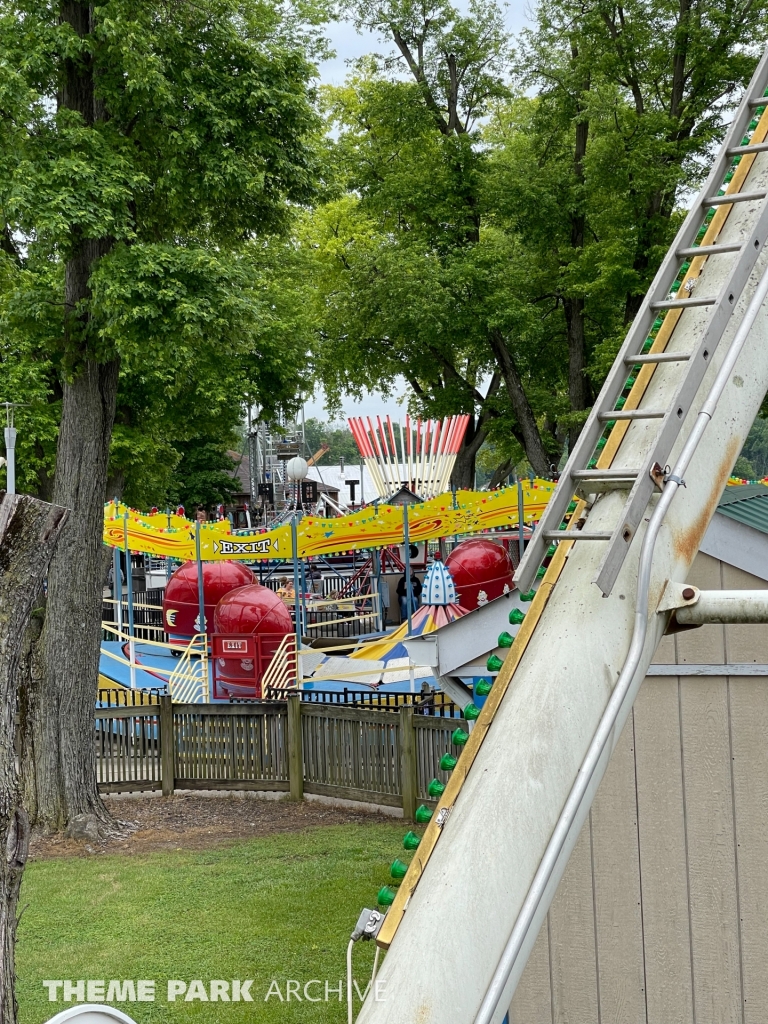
(746, 503)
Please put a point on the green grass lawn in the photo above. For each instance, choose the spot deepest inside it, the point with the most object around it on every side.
(270, 908)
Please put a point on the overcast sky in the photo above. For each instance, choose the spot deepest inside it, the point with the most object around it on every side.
(348, 45)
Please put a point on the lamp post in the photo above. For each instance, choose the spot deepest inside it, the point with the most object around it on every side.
(521, 516)
(129, 580)
(296, 470)
(10, 446)
(408, 584)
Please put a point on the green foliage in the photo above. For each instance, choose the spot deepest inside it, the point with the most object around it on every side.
(416, 278)
(744, 468)
(203, 475)
(201, 145)
(453, 245)
(652, 83)
(753, 462)
(397, 272)
(337, 436)
(458, 61)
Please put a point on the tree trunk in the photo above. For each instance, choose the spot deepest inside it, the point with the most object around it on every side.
(29, 530)
(535, 451)
(578, 385)
(501, 473)
(31, 674)
(658, 210)
(59, 758)
(59, 762)
(463, 475)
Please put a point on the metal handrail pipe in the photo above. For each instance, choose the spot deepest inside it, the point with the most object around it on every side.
(725, 606)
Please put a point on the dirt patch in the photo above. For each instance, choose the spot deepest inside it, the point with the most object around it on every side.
(183, 822)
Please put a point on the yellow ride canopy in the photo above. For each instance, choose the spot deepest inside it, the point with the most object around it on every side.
(375, 526)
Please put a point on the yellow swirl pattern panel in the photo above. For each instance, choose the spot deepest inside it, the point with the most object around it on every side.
(379, 526)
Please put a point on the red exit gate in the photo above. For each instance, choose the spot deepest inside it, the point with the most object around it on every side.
(239, 663)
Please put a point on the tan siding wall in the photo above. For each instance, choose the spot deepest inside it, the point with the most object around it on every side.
(662, 915)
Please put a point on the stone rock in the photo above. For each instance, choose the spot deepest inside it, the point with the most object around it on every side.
(84, 826)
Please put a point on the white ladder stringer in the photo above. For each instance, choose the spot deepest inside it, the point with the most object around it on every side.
(581, 474)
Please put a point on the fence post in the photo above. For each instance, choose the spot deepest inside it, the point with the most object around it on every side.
(295, 752)
(166, 745)
(408, 775)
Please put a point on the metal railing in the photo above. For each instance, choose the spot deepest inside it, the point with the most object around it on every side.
(189, 683)
(435, 704)
(147, 615)
(282, 673)
(120, 697)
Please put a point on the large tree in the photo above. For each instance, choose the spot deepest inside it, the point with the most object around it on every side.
(413, 286)
(504, 213)
(144, 147)
(630, 100)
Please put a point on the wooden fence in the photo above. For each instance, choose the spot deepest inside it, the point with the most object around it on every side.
(384, 757)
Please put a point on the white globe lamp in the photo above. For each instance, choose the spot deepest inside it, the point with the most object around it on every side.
(297, 468)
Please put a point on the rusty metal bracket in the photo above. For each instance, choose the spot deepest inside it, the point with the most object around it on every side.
(658, 474)
(677, 595)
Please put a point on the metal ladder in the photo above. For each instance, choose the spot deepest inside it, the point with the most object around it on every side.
(583, 474)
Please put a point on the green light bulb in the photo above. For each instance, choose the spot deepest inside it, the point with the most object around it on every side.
(411, 841)
(505, 639)
(516, 617)
(483, 688)
(435, 788)
(448, 762)
(529, 596)
(494, 663)
(459, 737)
(386, 896)
(551, 550)
(541, 572)
(397, 869)
(471, 712)
(423, 814)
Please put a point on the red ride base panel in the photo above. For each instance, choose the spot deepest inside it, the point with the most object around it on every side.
(240, 661)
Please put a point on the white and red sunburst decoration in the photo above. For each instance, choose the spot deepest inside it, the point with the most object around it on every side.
(418, 454)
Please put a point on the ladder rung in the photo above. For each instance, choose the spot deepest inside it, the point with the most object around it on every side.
(584, 490)
(734, 197)
(759, 147)
(632, 414)
(575, 535)
(604, 474)
(682, 303)
(658, 357)
(710, 250)
(758, 101)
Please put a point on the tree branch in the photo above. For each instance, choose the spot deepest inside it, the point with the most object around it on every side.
(418, 73)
